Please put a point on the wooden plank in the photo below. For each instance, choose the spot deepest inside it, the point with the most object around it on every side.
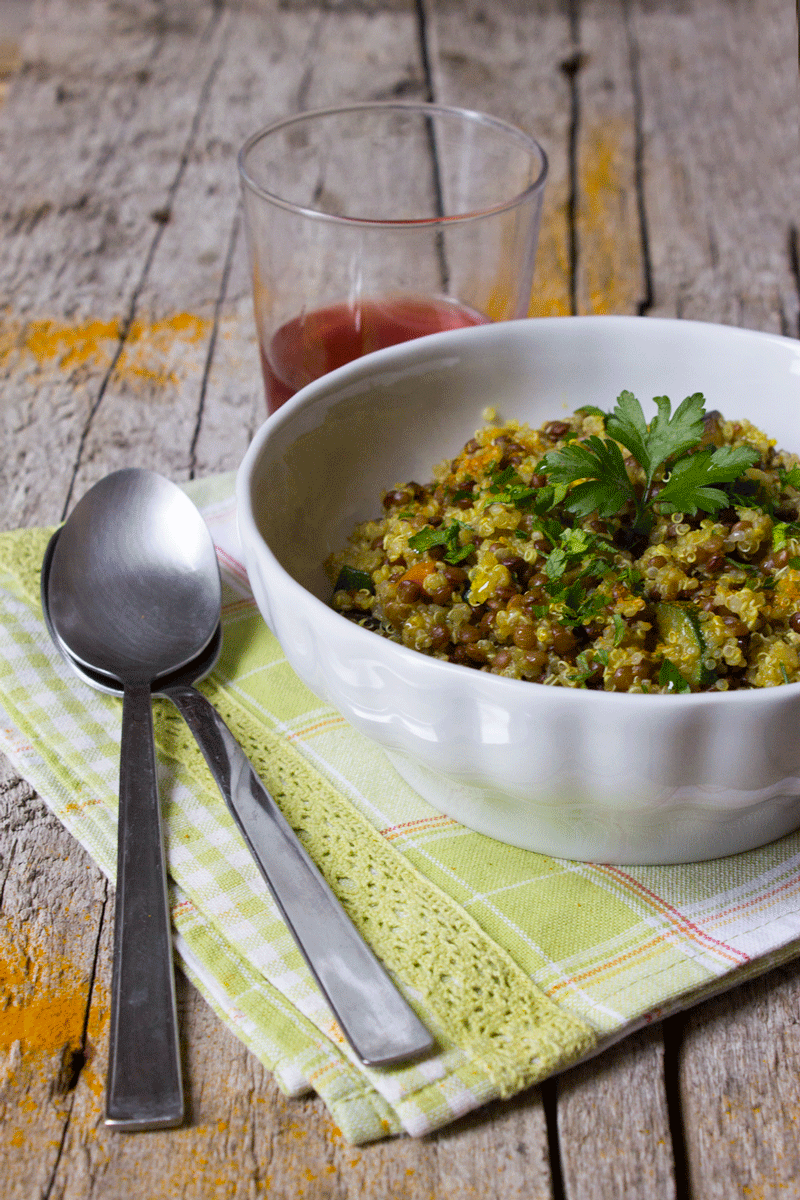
(668, 225)
(720, 100)
(718, 88)
(52, 901)
(575, 92)
(621, 191)
(613, 1124)
(93, 134)
(610, 261)
(740, 1090)
(245, 1139)
(507, 59)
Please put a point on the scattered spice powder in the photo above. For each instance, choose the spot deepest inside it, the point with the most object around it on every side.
(149, 347)
(45, 1014)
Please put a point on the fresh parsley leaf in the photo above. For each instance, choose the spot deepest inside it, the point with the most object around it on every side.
(670, 677)
(575, 606)
(508, 488)
(597, 469)
(741, 565)
(426, 538)
(588, 664)
(667, 436)
(500, 476)
(546, 499)
(443, 536)
(779, 534)
(790, 477)
(572, 549)
(630, 577)
(628, 426)
(457, 554)
(690, 485)
(573, 568)
(556, 564)
(591, 410)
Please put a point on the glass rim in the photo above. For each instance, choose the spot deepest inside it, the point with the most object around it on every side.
(419, 106)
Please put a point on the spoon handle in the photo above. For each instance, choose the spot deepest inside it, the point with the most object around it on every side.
(374, 1017)
(144, 1071)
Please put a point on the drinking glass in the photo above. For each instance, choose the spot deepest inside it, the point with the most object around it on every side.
(376, 223)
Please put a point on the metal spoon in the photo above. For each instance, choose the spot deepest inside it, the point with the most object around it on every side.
(376, 1020)
(134, 593)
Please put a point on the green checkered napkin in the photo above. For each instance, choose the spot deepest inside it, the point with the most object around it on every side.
(519, 964)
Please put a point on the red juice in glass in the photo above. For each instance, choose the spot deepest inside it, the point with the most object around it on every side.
(317, 342)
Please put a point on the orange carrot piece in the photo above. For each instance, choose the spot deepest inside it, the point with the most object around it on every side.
(419, 572)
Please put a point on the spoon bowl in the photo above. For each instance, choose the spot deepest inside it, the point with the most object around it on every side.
(134, 585)
(192, 672)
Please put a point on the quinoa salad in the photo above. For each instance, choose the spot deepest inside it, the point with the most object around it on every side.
(601, 551)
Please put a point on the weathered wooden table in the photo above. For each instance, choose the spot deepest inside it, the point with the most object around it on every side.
(126, 337)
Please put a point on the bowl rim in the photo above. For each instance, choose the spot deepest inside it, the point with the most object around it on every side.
(384, 360)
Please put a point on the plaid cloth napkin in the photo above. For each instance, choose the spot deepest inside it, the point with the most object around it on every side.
(520, 964)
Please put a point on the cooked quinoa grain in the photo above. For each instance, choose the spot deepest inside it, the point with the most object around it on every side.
(487, 566)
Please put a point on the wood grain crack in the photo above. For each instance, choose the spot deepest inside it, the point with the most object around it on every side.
(48, 1191)
(571, 67)
(794, 266)
(634, 58)
(212, 341)
(549, 1091)
(672, 1032)
(7, 871)
(312, 56)
(77, 1058)
(425, 28)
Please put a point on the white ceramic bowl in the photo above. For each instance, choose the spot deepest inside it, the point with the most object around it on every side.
(578, 774)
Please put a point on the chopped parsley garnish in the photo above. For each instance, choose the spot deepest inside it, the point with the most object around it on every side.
(589, 663)
(791, 477)
(507, 488)
(670, 677)
(579, 558)
(443, 536)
